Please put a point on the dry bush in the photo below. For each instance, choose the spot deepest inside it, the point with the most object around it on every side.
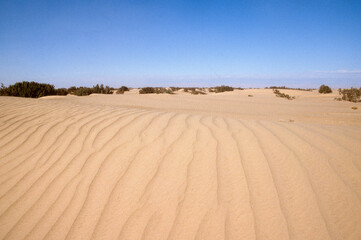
(352, 94)
(283, 95)
(223, 88)
(122, 90)
(28, 89)
(324, 89)
(157, 90)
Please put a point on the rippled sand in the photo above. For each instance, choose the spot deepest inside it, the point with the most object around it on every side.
(217, 166)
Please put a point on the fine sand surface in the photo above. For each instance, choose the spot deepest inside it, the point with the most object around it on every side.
(216, 166)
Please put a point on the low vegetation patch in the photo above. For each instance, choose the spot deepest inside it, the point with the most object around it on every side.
(284, 87)
(28, 89)
(36, 90)
(85, 91)
(250, 95)
(223, 88)
(324, 89)
(175, 88)
(354, 108)
(351, 94)
(122, 90)
(157, 90)
(283, 95)
(194, 91)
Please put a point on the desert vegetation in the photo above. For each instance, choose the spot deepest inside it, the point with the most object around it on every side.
(195, 91)
(288, 88)
(223, 88)
(324, 89)
(157, 90)
(29, 90)
(283, 95)
(351, 95)
(122, 90)
(85, 91)
(36, 90)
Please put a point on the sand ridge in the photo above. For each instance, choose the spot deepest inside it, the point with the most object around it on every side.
(221, 166)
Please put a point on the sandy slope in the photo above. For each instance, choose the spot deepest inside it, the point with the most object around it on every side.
(223, 166)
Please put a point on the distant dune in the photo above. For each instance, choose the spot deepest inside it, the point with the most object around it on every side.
(215, 166)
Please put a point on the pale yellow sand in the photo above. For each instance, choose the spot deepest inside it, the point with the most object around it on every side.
(219, 166)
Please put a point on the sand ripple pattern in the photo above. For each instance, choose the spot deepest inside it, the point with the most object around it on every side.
(71, 171)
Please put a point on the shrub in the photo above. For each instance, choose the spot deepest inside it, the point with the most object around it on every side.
(223, 89)
(28, 89)
(282, 95)
(324, 89)
(122, 90)
(72, 89)
(62, 91)
(354, 108)
(147, 90)
(157, 90)
(175, 88)
(83, 91)
(284, 87)
(352, 94)
(250, 95)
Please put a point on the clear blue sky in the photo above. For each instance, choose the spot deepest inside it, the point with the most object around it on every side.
(182, 43)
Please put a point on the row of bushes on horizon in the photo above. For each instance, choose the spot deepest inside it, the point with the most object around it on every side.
(288, 88)
(36, 90)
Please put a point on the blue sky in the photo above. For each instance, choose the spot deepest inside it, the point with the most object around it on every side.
(181, 43)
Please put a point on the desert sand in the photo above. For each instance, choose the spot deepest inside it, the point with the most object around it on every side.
(215, 166)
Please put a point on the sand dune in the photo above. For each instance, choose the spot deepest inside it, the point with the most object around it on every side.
(223, 166)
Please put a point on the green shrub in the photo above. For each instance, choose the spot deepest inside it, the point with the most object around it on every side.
(62, 91)
(72, 89)
(28, 89)
(83, 91)
(324, 89)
